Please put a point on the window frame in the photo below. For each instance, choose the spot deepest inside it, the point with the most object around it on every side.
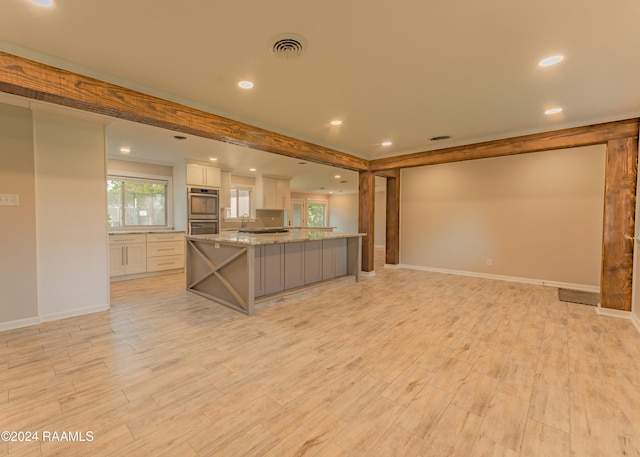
(142, 178)
(252, 206)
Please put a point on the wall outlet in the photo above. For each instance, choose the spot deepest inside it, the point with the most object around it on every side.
(8, 200)
(489, 262)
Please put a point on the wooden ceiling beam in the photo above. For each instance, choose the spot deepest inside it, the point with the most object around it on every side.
(30, 79)
(559, 139)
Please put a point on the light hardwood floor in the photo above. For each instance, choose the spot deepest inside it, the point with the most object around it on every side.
(405, 363)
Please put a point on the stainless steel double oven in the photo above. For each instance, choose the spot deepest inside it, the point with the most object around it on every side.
(203, 210)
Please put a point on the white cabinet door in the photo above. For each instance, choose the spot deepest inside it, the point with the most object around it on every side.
(116, 260)
(283, 193)
(269, 193)
(202, 175)
(225, 189)
(135, 258)
(195, 174)
(276, 193)
(212, 176)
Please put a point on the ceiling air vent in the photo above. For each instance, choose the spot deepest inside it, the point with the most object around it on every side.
(288, 45)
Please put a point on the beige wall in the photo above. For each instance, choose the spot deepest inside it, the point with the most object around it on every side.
(54, 244)
(343, 212)
(18, 280)
(115, 166)
(380, 218)
(536, 216)
(71, 216)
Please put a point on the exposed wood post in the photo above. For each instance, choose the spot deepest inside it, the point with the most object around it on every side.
(619, 223)
(392, 251)
(366, 216)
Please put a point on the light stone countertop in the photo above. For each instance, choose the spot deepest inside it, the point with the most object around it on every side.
(253, 239)
(143, 232)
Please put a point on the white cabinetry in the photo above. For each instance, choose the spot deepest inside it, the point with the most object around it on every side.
(136, 255)
(203, 175)
(165, 251)
(127, 254)
(225, 189)
(276, 193)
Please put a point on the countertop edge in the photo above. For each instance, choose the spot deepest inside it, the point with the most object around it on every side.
(242, 239)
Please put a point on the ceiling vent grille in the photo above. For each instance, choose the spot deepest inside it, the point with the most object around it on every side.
(288, 45)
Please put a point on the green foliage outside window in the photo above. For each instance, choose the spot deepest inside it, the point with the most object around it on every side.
(316, 214)
(136, 203)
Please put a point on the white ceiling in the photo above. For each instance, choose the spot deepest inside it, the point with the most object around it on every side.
(403, 71)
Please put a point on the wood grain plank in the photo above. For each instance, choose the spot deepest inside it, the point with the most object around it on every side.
(619, 223)
(366, 217)
(27, 78)
(559, 139)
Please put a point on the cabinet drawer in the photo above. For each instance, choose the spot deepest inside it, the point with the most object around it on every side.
(126, 239)
(163, 249)
(169, 262)
(159, 237)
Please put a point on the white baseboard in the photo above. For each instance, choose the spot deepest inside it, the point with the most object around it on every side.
(367, 273)
(21, 323)
(542, 282)
(620, 314)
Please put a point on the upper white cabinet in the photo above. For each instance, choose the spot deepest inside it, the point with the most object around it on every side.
(225, 189)
(203, 175)
(276, 193)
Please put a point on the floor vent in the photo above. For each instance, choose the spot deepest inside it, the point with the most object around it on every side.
(579, 296)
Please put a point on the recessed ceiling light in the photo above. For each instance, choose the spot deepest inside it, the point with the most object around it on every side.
(387, 143)
(45, 3)
(125, 150)
(553, 111)
(337, 176)
(245, 84)
(213, 159)
(551, 61)
(336, 122)
(252, 169)
(180, 137)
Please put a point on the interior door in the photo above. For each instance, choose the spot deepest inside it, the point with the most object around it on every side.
(298, 213)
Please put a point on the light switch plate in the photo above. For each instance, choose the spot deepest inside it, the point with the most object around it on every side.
(8, 200)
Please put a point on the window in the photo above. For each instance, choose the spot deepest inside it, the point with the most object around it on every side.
(316, 213)
(136, 202)
(240, 202)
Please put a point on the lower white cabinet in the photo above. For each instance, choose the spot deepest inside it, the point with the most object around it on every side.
(165, 251)
(127, 254)
(136, 254)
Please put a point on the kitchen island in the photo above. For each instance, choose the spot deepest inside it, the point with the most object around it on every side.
(234, 269)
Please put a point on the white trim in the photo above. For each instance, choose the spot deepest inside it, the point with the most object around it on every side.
(565, 285)
(11, 325)
(367, 273)
(392, 266)
(619, 314)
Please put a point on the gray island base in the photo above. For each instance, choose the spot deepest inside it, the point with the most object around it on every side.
(234, 269)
